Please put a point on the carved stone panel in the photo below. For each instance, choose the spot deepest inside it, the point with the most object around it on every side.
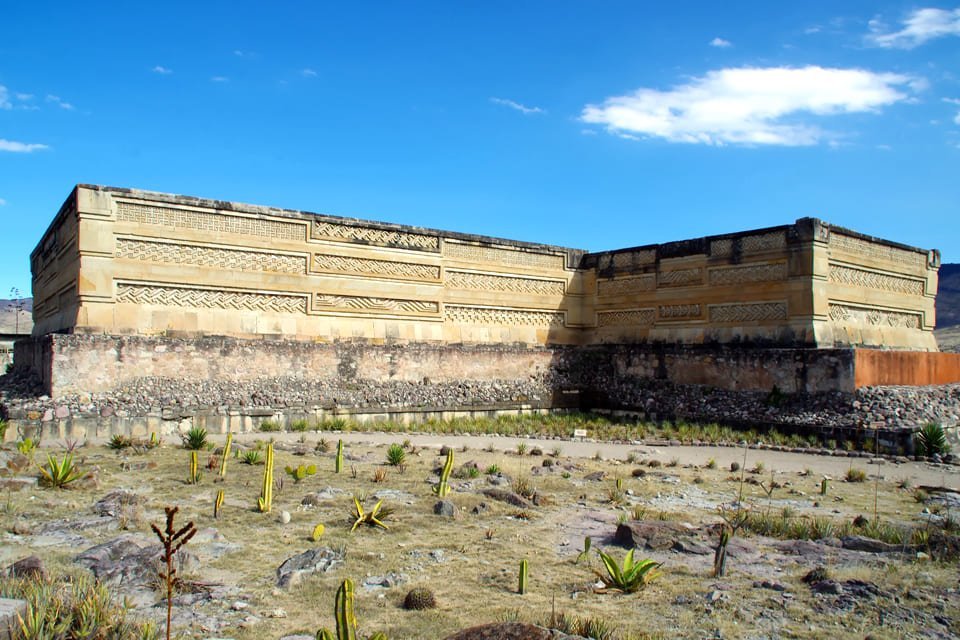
(748, 273)
(874, 280)
(866, 316)
(334, 302)
(748, 312)
(679, 311)
(212, 222)
(680, 278)
(510, 284)
(622, 286)
(876, 251)
(172, 296)
(323, 230)
(233, 259)
(496, 255)
(500, 316)
(626, 317)
(381, 268)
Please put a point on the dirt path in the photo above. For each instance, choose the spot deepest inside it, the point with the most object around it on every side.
(919, 473)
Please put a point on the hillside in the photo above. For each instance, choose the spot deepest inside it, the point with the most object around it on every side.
(8, 316)
(948, 308)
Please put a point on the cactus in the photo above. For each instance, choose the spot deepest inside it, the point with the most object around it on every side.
(223, 458)
(720, 553)
(195, 474)
(324, 634)
(442, 488)
(619, 484)
(419, 598)
(300, 472)
(265, 502)
(339, 464)
(586, 549)
(317, 532)
(343, 612)
(823, 487)
(218, 504)
(522, 586)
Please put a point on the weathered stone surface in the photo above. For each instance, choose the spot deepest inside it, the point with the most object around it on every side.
(295, 568)
(509, 497)
(862, 543)
(10, 610)
(654, 535)
(27, 567)
(127, 561)
(445, 508)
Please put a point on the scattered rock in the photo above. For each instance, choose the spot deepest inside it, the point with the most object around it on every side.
(654, 534)
(509, 497)
(511, 631)
(862, 543)
(126, 561)
(295, 568)
(27, 567)
(445, 508)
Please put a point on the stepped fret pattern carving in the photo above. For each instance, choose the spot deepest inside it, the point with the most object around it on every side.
(210, 222)
(511, 284)
(367, 266)
(679, 311)
(497, 316)
(680, 278)
(850, 314)
(749, 244)
(626, 285)
(210, 298)
(627, 258)
(326, 302)
(752, 312)
(502, 256)
(749, 273)
(626, 317)
(874, 280)
(370, 235)
(877, 251)
(233, 259)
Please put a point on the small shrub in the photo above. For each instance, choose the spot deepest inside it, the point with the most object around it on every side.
(921, 496)
(300, 425)
(493, 470)
(654, 463)
(118, 442)
(379, 474)
(673, 462)
(372, 518)
(270, 426)
(26, 447)
(396, 455)
(711, 464)
(523, 487)
(521, 448)
(251, 457)
(818, 574)
(323, 446)
(195, 439)
(758, 468)
(631, 577)
(418, 599)
(556, 452)
(855, 475)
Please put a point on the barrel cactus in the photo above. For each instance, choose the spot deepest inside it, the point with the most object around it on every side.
(419, 598)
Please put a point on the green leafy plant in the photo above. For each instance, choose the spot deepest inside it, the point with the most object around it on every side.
(631, 577)
(396, 455)
(251, 457)
(931, 440)
(27, 447)
(855, 475)
(301, 471)
(60, 473)
(195, 439)
(119, 442)
(521, 448)
(585, 554)
(372, 518)
(300, 425)
(270, 426)
(493, 470)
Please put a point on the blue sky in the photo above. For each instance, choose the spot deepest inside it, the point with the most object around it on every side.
(595, 125)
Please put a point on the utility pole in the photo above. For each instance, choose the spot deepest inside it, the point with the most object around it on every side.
(17, 307)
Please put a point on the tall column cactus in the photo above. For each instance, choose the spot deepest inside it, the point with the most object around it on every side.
(442, 488)
(522, 583)
(265, 502)
(226, 454)
(194, 476)
(343, 614)
(339, 463)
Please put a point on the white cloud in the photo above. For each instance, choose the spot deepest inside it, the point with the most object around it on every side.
(24, 97)
(20, 147)
(524, 109)
(721, 43)
(60, 103)
(4, 98)
(3, 202)
(751, 106)
(956, 101)
(162, 70)
(219, 79)
(919, 27)
(308, 73)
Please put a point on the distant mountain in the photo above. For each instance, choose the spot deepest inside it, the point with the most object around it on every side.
(8, 315)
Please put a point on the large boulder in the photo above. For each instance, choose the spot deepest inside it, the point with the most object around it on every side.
(650, 534)
(295, 568)
(511, 631)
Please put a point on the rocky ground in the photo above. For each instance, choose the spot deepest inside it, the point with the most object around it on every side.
(255, 575)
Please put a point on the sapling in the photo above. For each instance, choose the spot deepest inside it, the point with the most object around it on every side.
(172, 539)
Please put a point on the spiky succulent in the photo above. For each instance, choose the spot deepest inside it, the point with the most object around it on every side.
(419, 598)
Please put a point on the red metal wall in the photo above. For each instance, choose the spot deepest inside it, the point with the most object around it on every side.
(911, 368)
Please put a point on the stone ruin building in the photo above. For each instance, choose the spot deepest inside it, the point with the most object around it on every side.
(131, 285)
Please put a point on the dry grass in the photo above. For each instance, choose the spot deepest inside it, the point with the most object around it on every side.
(477, 578)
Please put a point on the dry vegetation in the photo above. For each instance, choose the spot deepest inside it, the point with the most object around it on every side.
(470, 561)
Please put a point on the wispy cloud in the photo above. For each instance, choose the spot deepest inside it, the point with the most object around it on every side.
(522, 108)
(749, 106)
(720, 43)
(3, 202)
(163, 71)
(60, 103)
(954, 101)
(20, 147)
(921, 26)
(219, 79)
(24, 97)
(4, 98)
(308, 73)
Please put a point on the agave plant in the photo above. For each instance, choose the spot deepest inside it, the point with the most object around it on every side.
(195, 439)
(396, 455)
(631, 577)
(373, 518)
(59, 473)
(931, 440)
